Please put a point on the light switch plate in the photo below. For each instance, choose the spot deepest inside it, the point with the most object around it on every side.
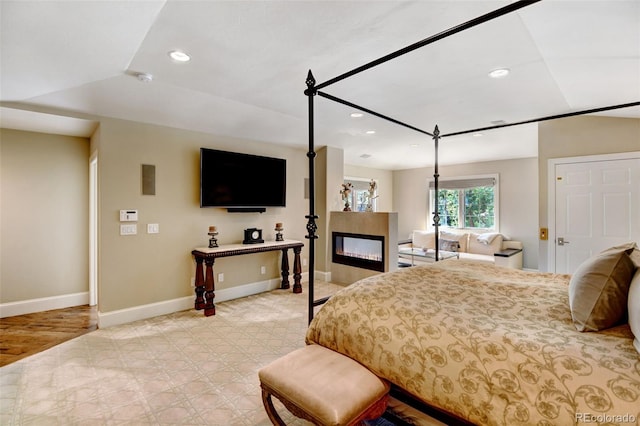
(153, 228)
(129, 229)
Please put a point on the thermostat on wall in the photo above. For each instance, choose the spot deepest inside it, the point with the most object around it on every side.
(128, 215)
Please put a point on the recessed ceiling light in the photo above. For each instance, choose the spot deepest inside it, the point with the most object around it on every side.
(179, 56)
(370, 132)
(356, 114)
(499, 73)
(414, 145)
(477, 135)
(365, 156)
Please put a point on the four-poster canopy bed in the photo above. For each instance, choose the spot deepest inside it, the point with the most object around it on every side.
(485, 346)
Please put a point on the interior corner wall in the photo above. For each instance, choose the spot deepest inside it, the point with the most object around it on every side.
(576, 137)
(44, 224)
(329, 169)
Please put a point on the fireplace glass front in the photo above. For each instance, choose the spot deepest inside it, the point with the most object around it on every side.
(359, 250)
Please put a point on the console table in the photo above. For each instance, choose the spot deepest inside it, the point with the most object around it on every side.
(205, 285)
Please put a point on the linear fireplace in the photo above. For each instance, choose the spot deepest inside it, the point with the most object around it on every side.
(358, 250)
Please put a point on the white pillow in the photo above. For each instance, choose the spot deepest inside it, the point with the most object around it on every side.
(424, 239)
(633, 306)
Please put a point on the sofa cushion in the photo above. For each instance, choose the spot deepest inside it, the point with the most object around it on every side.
(480, 247)
(478, 257)
(598, 290)
(423, 239)
(461, 238)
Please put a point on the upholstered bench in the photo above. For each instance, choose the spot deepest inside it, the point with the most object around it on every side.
(323, 387)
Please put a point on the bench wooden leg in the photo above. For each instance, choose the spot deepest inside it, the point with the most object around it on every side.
(270, 409)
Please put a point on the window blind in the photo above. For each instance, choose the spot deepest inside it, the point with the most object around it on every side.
(463, 183)
(359, 184)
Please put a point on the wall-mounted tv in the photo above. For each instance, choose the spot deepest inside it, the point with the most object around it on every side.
(241, 182)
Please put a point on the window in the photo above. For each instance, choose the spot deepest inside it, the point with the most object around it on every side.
(466, 202)
(363, 193)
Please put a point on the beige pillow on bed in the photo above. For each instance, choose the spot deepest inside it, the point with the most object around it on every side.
(631, 248)
(633, 305)
(598, 290)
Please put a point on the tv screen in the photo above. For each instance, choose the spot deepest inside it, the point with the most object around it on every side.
(235, 180)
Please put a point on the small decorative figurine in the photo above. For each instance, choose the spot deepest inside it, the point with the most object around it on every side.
(372, 190)
(279, 230)
(213, 242)
(346, 192)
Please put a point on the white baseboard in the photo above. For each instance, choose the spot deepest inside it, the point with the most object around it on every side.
(322, 276)
(123, 316)
(23, 307)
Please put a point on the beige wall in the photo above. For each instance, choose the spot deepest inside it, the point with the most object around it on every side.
(44, 215)
(576, 137)
(147, 268)
(518, 199)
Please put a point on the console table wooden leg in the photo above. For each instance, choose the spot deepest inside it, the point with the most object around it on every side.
(209, 284)
(199, 303)
(284, 268)
(297, 270)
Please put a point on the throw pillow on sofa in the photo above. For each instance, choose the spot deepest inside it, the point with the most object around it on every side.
(423, 239)
(460, 238)
(449, 245)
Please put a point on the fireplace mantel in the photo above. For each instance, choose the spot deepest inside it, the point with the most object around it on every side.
(382, 225)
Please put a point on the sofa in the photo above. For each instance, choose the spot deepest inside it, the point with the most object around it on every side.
(486, 247)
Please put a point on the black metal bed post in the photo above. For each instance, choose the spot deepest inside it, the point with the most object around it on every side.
(436, 176)
(312, 227)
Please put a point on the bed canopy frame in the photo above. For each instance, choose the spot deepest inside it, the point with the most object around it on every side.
(314, 89)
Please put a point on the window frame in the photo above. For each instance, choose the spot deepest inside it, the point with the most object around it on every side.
(496, 203)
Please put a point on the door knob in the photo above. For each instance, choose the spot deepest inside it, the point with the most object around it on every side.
(561, 241)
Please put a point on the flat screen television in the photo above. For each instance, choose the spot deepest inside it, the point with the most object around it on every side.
(241, 182)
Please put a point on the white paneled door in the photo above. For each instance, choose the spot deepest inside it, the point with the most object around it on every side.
(597, 205)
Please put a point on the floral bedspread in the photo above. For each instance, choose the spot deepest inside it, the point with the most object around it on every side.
(495, 346)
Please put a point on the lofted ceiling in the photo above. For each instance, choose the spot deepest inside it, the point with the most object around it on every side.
(249, 62)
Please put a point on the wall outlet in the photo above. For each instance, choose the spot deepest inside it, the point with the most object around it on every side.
(263, 270)
(220, 277)
(304, 261)
(193, 281)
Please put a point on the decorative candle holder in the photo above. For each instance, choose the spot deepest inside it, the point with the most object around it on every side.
(279, 230)
(213, 242)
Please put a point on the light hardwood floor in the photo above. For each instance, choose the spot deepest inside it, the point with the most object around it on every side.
(24, 335)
